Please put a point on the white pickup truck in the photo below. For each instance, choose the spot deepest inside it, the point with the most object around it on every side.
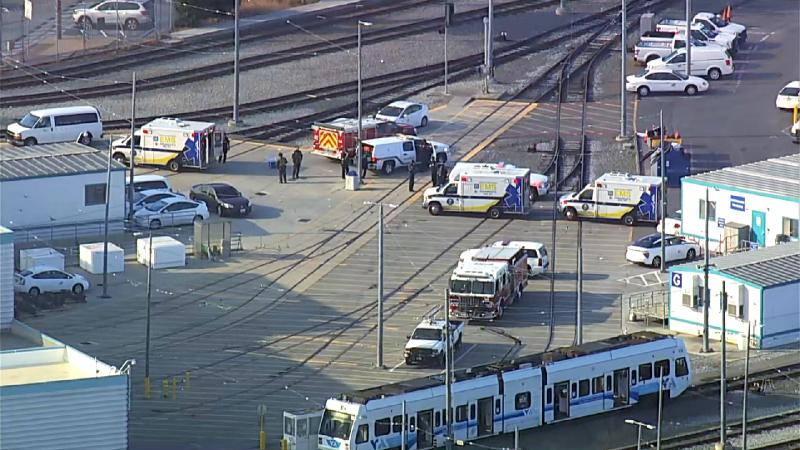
(646, 51)
(711, 21)
(426, 344)
(699, 33)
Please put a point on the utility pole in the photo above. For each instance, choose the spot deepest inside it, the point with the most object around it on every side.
(723, 438)
(490, 42)
(133, 147)
(660, 408)
(579, 309)
(105, 228)
(623, 120)
(380, 285)
(403, 426)
(447, 18)
(688, 37)
(358, 64)
(663, 265)
(744, 399)
(58, 21)
(235, 120)
(486, 55)
(448, 394)
(706, 290)
(147, 326)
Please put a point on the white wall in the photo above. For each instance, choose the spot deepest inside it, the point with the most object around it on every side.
(781, 315)
(6, 278)
(53, 201)
(687, 320)
(694, 226)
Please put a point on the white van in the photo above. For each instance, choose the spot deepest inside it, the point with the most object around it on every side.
(149, 183)
(388, 153)
(709, 61)
(46, 126)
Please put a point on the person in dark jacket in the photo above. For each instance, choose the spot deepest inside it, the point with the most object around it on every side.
(442, 173)
(345, 166)
(297, 159)
(434, 171)
(411, 170)
(226, 145)
(364, 163)
(282, 163)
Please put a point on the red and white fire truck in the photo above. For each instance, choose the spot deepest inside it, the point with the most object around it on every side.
(331, 138)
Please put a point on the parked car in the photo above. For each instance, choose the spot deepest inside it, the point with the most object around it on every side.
(170, 211)
(403, 112)
(145, 198)
(44, 279)
(130, 14)
(664, 80)
(711, 62)
(149, 183)
(52, 125)
(538, 260)
(789, 96)
(672, 223)
(647, 250)
(222, 198)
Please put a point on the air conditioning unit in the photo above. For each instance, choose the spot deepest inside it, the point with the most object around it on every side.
(736, 299)
(691, 292)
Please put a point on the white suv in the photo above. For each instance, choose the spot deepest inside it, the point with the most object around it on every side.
(130, 14)
(538, 260)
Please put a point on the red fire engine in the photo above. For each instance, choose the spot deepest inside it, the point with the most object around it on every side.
(331, 138)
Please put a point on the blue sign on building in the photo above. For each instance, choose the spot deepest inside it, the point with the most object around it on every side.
(737, 203)
(721, 222)
(677, 280)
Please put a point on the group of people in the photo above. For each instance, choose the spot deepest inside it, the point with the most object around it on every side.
(283, 164)
(438, 168)
(346, 159)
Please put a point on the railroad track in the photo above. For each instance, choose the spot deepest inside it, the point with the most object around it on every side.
(109, 61)
(248, 63)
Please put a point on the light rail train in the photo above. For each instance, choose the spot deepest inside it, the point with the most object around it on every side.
(527, 392)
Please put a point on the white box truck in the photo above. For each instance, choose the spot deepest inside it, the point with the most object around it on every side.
(483, 188)
(629, 198)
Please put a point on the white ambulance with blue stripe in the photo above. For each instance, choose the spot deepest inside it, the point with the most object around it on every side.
(629, 198)
(172, 143)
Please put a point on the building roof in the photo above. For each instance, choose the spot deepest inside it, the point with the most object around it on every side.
(776, 176)
(765, 267)
(50, 160)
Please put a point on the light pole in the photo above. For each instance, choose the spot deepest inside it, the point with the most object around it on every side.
(688, 37)
(639, 435)
(147, 326)
(358, 63)
(448, 15)
(723, 435)
(663, 265)
(448, 360)
(623, 120)
(561, 9)
(379, 362)
(235, 120)
(706, 290)
(105, 228)
(133, 147)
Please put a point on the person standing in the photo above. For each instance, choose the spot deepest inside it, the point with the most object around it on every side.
(282, 163)
(434, 171)
(226, 145)
(411, 170)
(345, 167)
(364, 162)
(297, 158)
(442, 173)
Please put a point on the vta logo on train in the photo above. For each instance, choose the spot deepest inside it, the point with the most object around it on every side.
(332, 443)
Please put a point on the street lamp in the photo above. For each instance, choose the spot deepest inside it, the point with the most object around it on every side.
(561, 10)
(639, 425)
(380, 205)
(623, 128)
(358, 57)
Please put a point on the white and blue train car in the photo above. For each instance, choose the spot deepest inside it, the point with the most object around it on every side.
(524, 393)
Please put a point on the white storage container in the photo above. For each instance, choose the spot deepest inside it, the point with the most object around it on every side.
(166, 252)
(91, 256)
(33, 257)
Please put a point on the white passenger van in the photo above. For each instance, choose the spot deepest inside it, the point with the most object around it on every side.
(47, 126)
(709, 61)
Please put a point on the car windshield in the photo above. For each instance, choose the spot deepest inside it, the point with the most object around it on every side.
(718, 22)
(390, 111)
(226, 191)
(137, 197)
(427, 334)
(156, 206)
(29, 120)
(790, 91)
(647, 241)
(670, 56)
(336, 424)
(25, 273)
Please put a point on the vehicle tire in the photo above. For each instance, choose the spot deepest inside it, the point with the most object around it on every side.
(132, 24)
(220, 210)
(690, 254)
(30, 141)
(570, 214)
(643, 91)
(85, 23)
(86, 138)
(495, 212)
(714, 74)
(691, 90)
(197, 218)
(34, 292)
(174, 165)
(435, 209)
(656, 261)
(628, 219)
(388, 167)
(424, 122)
(533, 196)
(155, 224)
(77, 289)
(120, 158)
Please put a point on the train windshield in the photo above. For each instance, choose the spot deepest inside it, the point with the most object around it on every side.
(336, 424)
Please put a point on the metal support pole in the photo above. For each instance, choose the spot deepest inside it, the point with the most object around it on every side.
(403, 426)
(744, 399)
(157, 19)
(579, 309)
(446, 6)
(358, 144)
(661, 150)
(639, 438)
(147, 326)
(516, 438)
(486, 55)
(723, 438)
(105, 228)
(706, 290)
(448, 394)
(58, 21)
(660, 408)
(490, 42)
(117, 25)
(688, 37)
(380, 286)
(623, 129)
(235, 120)
(133, 147)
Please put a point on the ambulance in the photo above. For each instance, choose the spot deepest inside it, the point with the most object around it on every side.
(629, 198)
(173, 143)
(483, 188)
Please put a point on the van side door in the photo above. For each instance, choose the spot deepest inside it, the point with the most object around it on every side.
(408, 154)
(45, 132)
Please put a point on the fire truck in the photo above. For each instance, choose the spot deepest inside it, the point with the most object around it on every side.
(330, 138)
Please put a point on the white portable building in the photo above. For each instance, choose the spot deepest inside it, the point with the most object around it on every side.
(165, 252)
(6, 277)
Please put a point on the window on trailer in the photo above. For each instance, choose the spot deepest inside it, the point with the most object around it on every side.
(712, 210)
(790, 227)
(95, 194)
